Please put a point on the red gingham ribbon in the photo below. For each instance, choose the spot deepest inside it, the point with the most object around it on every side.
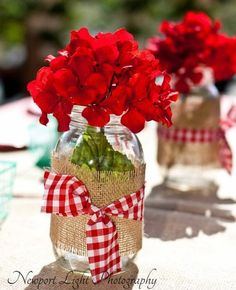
(68, 196)
(184, 135)
(226, 154)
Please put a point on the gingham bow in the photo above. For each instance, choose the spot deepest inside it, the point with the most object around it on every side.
(66, 195)
(226, 154)
(206, 136)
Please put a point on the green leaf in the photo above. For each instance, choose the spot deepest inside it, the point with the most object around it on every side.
(94, 151)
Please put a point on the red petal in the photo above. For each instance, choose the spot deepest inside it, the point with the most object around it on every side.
(97, 82)
(44, 75)
(96, 116)
(123, 35)
(163, 115)
(167, 118)
(62, 117)
(43, 118)
(166, 82)
(63, 80)
(34, 88)
(104, 39)
(107, 54)
(133, 120)
(107, 71)
(80, 38)
(166, 26)
(84, 97)
(139, 83)
(147, 109)
(82, 66)
(82, 33)
(58, 63)
(117, 101)
(182, 87)
(173, 96)
(196, 77)
(44, 99)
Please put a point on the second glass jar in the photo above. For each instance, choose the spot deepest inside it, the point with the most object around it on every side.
(190, 148)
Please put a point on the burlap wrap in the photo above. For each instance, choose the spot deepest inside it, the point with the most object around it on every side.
(68, 233)
(192, 112)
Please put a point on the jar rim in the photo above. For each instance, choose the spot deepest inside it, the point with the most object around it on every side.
(77, 118)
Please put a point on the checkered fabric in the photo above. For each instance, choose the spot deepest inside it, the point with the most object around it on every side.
(184, 135)
(226, 155)
(66, 195)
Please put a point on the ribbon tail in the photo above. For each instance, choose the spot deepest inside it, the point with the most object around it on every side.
(102, 248)
(226, 155)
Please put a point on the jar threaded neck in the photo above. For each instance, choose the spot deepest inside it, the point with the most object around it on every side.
(78, 120)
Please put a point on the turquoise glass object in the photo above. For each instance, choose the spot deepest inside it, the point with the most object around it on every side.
(42, 141)
(7, 177)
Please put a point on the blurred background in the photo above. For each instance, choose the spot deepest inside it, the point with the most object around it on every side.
(30, 29)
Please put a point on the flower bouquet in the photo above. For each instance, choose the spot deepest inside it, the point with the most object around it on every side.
(196, 54)
(101, 89)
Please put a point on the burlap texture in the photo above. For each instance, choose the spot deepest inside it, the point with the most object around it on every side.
(192, 112)
(68, 233)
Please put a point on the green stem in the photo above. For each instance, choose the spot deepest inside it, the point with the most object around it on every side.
(94, 151)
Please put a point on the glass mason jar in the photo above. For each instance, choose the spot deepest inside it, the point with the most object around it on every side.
(189, 150)
(110, 162)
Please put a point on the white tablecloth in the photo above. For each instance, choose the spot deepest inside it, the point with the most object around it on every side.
(188, 245)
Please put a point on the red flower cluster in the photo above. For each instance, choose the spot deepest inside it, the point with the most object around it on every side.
(107, 74)
(191, 44)
(222, 57)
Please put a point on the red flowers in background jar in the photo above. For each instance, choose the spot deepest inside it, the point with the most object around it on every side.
(107, 74)
(222, 56)
(191, 45)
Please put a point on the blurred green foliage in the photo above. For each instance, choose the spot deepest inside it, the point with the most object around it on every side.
(36, 28)
(15, 14)
(138, 16)
(142, 17)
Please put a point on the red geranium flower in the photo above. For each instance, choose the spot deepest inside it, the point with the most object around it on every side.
(107, 74)
(49, 101)
(222, 57)
(190, 44)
